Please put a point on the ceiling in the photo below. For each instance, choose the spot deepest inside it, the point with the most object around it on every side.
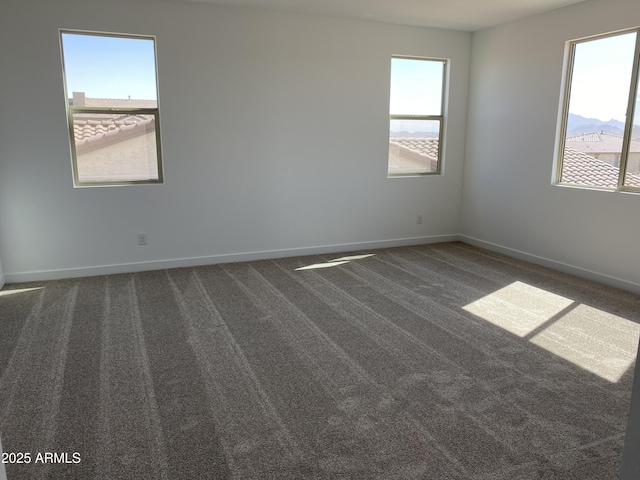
(467, 15)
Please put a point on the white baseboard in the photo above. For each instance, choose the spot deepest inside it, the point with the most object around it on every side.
(553, 264)
(35, 276)
(18, 277)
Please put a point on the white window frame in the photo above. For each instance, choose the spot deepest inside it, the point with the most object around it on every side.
(71, 110)
(439, 118)
(628, 130)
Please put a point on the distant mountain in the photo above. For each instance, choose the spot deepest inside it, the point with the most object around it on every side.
(578, 125)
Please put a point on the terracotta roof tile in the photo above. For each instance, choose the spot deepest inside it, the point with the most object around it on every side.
(582, 169)
(600, 142)
(427, 147)
(95, 131)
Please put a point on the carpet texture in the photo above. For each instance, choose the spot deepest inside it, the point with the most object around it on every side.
(439, 362)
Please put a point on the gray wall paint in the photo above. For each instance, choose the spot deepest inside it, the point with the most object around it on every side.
(513, 111)
(274, 134)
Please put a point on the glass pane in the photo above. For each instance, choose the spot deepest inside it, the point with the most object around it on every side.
(115, 148)
(416, 87)
(413, 146)
(632, 178)
(106, 71)
(597, 110)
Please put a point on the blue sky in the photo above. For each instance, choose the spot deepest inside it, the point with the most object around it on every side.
(416, 87)
(109, 67)
(602, 77)
(116, 67)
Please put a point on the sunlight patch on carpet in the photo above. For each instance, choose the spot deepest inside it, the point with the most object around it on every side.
(321, 265)
(335, 262)
(597, 341)
(353, 257)
(5, 293)
(518, 308)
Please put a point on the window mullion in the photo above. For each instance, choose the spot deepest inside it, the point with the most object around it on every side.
(114, 110)
(72, 137)
(565, 112)
(415, 117)
(443, 99)
(628, 128)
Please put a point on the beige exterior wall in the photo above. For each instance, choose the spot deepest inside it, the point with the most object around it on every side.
(130, 160)
(614, 159)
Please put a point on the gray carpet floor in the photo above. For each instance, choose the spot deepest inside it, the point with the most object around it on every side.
(439, 362)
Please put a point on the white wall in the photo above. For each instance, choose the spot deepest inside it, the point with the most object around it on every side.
(274, 130)
(1, 276)
(509, 202)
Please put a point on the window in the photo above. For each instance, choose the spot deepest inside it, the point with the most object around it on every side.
(416, 116)
(600, 134)
(112, 108)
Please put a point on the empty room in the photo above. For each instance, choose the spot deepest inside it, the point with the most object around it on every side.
(290, 239)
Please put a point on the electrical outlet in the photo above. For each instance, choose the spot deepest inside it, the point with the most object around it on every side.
(419, 220)
(142, 239)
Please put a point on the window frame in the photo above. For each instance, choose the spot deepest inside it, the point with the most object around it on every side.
(439, 118)
(634, 89)
(71, 110)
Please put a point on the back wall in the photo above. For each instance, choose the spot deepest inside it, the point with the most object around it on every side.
(274, 134)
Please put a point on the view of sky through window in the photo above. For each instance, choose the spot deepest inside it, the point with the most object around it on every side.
(112, 107)
(599, 90)
(601, 77)
(416, 115)
(105, 66)
(416, 87)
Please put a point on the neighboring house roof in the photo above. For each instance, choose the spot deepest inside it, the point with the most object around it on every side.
(600, 142)
(119, 103)
(92, 132)
(425, 147)
(79, 99)
(582, 169)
